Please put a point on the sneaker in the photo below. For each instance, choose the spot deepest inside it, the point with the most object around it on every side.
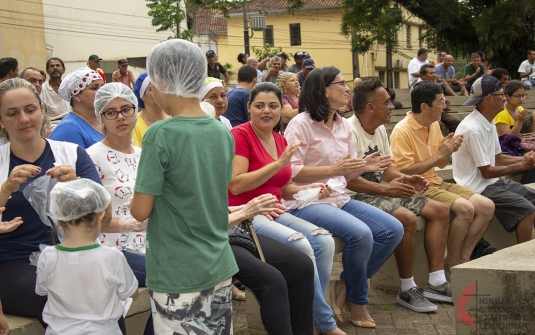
(414, 300)
(440, 293)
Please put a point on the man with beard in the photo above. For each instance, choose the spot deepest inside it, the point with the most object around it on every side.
(57, 108)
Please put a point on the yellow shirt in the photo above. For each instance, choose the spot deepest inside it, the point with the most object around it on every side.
(413, 143)
(505, 117)
(139, 131)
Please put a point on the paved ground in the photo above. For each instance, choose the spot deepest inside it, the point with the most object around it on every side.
(391, 318)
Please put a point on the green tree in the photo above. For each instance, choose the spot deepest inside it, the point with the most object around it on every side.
(168, 14)
(504, 29)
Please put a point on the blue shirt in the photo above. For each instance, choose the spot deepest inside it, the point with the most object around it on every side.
(439, 69)
(237, 112)
(76, 130)
(24, 240)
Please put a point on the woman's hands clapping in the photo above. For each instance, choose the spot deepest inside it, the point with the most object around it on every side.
(266, 204)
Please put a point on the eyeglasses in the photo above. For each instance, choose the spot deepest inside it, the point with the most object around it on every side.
(341, 83)
(441, 103)
(520, 96)
(498, 94)
(112, 114)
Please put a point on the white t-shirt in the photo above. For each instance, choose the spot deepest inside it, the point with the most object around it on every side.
(117, 172)
(525, 67)
(56, 107)
(368, 144)
(414, 66)
(85, 287)
(226, 122)
(480, 147)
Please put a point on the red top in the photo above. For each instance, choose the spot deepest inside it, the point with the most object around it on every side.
(248, 145)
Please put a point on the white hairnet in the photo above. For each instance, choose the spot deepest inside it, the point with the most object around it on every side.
(73, 199)
(109, 92)
(76, 81)
(177, 67)
(208, 108)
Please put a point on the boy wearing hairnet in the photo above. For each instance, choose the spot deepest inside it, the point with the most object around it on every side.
(181, 187)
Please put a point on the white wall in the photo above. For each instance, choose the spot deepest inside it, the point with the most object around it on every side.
(112, 29)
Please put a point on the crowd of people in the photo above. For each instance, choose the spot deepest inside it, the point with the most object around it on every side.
(173, 158)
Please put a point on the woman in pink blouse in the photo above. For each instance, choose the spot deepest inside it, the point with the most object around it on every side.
(370, 235)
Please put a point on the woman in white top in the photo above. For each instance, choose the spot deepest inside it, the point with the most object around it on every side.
(116, 161)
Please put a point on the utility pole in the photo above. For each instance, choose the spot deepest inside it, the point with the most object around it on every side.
(245, 30)
(389, 82)
(355, 57)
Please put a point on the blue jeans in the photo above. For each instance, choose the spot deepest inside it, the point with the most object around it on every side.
(530, 83)
(370, 236)
(137, 264)
(315, 242)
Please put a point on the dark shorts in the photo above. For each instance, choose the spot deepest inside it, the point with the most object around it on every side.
(513, 202)
(390, 205)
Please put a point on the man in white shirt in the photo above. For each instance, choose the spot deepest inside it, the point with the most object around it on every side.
(413, 69)
(57, 108)
(400, 198)
(527, 70)
(479, 163)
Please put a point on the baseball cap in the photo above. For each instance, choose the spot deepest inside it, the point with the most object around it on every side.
(309, 64)
(306, 54)
(482, 87)
(299, 54)
(210, 53)
(122, 62)
(94, 57)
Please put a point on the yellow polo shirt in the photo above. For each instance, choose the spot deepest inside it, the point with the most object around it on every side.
(413, 143)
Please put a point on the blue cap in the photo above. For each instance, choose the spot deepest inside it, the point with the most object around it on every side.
(210, 53)
(137, 88)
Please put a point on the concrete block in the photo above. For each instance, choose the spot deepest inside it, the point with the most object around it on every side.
(387, 278)
(24, 326)
(495, 294)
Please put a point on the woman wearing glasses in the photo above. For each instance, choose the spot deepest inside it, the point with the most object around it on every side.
(329, 152)
(80, 126)
(116, 161)
(514, 119)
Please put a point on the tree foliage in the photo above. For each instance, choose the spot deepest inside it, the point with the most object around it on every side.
(168, 14)
(504, 29)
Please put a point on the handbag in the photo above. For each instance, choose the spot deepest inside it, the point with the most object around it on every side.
(243, 235)
(240, 235)
(528, 141)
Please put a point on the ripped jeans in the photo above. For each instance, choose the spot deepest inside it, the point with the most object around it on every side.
(318, 245)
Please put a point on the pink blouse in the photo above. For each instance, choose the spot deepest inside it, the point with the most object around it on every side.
(323, 147)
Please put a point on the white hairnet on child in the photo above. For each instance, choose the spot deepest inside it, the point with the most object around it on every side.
(109, 92)
(177, 67)
(73, 199)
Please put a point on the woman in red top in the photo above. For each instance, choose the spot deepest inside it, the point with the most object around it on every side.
(260, 166)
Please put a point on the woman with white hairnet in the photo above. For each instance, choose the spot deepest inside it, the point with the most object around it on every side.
(214, 93)
(80, 126)
(116, 161)
(73, 306)
(181, 187)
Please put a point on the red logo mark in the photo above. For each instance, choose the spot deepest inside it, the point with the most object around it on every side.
(463, 315)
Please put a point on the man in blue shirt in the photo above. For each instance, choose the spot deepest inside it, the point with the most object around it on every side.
(238, 98)
(445, 73)
(308, 65)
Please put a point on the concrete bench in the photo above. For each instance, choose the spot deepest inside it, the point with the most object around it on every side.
(135, 319)
(494, 294)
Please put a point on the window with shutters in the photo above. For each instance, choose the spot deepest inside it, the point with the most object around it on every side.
(295, 34)
(408, 36)
(268, 36)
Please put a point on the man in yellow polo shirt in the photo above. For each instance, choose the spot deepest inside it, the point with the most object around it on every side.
(417, 147)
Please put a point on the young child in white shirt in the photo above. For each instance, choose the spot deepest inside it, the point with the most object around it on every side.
(85, 281)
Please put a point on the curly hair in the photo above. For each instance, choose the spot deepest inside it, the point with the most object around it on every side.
(281, 81)
(15, 83)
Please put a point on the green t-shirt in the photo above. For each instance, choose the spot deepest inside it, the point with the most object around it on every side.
(469, 70)
(186, 163)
